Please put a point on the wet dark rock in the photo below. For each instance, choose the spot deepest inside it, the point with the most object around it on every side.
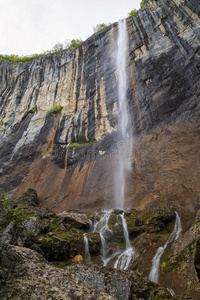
(60, 249)
(29, 197)
(117, 211)
(3, 212)
(197, 259)
(94, 241)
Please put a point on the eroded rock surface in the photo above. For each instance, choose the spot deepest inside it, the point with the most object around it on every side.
(25, 274)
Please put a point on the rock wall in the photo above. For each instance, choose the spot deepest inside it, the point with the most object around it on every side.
(37, 150)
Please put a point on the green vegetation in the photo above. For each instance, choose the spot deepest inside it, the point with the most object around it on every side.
(163, 265)
(82, 142)
(32, 110)
(1, 123)
(143, 2)
(81, 138)
(59, 47)
(16, 58)
(2, 197)
(99, 27)
(133, 12)
(55, 109)
(73, 44)
(69, 45)
(76, 145)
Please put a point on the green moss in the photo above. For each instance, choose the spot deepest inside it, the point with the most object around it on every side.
(77, 145)
(81, 139)
(1, 123)
(55, 109)
(183, 257)
(32, 111)
(61, 264)
(2, 197)
(163, 265)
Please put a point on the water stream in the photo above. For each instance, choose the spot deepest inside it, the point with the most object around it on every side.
(124, 142)
(154, 274)
(87, 252)
(125, 257)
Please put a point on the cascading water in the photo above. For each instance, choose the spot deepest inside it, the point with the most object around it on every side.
(103, 228)
(125, 257)
(87, 252)
(154, 274)
(124, 135)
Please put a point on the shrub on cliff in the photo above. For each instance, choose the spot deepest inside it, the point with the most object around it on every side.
(73, 44)
(133, 12)
(142, 3)
(99, 27)
(55, 109)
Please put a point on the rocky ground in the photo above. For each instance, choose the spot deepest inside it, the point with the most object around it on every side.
(42, 254)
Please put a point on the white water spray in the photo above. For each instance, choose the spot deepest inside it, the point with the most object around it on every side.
(87, 252)
(124, 139)
(125, 257)
(124, 144)
(103, 228)
(154, 274)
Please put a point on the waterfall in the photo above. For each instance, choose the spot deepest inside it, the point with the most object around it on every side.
(103, 228)
(125, 257)
(124, 144)
(154, 274)
(87, 252)
(124, 138)
(125, 229)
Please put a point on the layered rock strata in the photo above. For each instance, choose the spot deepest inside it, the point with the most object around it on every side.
(38, 150)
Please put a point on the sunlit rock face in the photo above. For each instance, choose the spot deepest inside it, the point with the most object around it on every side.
(163, 94)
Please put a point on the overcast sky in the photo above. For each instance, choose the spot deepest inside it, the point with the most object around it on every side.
(32, 26)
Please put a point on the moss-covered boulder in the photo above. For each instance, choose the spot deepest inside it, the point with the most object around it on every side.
(94, 242)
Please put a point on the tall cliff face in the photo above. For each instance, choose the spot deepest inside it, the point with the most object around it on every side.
(164, 89)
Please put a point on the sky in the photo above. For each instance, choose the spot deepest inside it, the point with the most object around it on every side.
(34, 26)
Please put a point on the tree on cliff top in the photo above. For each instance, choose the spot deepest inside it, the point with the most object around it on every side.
(99, 27)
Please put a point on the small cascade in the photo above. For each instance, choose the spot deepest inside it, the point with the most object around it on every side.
(154, 274)
(125, 229)
(171, 292)
(86, 244)
(102, 227)
(125, 257)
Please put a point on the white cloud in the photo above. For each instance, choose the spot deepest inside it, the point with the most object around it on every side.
(31, 26)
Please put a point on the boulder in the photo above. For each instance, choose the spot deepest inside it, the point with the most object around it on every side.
(25, 274)
(75, 219)
(77, 258)
(123, 285)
